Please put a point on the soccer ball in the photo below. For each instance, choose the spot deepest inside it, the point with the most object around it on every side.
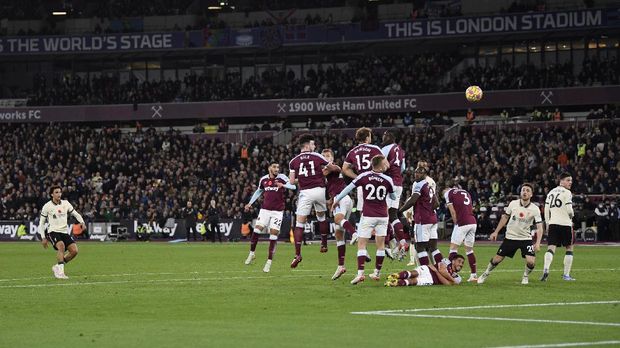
(473, 93)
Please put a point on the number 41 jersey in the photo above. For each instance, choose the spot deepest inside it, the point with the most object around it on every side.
(308, 168)
(376, 187)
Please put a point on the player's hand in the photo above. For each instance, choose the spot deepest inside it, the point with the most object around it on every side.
(537, 247)
(334, 205)
(247, 207)
(279, 184)
(493, 236)
(83, 227)
(44, 243)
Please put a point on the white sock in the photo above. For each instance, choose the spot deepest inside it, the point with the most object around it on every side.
(490, 267)
(413, 254)
(548, 260)
(527, 271)
(251, 253)
(568, 262)
(61, 267)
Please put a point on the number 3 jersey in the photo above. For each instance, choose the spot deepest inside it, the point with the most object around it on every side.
(308, 168)
(559, 207)
(461, 201)
(376, 187)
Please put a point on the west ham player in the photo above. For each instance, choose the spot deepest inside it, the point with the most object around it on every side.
(307, 169)
(358, 161)
(56, 212)
(520, 215)
(446, 273)
(376, 187)
(559, 216)
(460, 206)
(425, 202)
(335, 185)
(396, 158)
(270, 214)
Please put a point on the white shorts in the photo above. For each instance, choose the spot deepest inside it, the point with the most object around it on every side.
(360, 199)
(368, 224)
(314, 197)
(424, 276)
(344, 207)
(269, 218)
(464, 235)
(395, 203)
(424, 233)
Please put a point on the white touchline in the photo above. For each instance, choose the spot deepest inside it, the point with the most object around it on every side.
(572, 344)
(489, 307)
(151, 281)
(495, 319)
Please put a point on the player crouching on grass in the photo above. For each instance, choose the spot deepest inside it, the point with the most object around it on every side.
(376, 187)
(445, 273)
(56, 212)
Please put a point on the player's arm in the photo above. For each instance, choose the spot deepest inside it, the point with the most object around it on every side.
(403, 166)
(441, 278)
(330, 169)
(502, 222)
(291, 177)
(539, 234)
(347, 170)
(259, 191)
(287, 184)
(342, 194)
(569, 206)
(452, 212)
(435, 202)
(42, 222)
(77, 216)
(443, 271)
(410, 202)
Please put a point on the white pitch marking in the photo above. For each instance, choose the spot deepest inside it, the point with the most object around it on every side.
(182, 280)
(571, 344)
(495, 319)
(148, 274)
(386, 312)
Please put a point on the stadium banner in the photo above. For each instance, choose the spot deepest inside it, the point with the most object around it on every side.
(92, 43)
(542, 98)
(289, 35)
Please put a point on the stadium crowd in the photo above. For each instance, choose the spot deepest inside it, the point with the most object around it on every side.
(364, 76)
(149, 175)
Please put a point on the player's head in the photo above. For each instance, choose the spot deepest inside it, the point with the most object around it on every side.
(56, 192)
(527, 191)
(419, 173)
(306, 142)
(274, 169)
(566, 180)
(363, 135)
(457, 263)
(424, 163)
(388, 137)
(328, 154)
(379, 164)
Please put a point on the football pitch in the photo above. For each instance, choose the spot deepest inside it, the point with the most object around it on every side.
(202, 295)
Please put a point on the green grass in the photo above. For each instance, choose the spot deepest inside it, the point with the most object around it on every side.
(187, 295)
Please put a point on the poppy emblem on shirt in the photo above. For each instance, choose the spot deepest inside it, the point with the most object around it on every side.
(521, 215)
(59, 211)
(269, 182)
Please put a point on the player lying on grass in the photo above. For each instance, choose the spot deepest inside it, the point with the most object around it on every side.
(445, 273)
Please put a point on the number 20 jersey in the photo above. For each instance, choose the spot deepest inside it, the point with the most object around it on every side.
(376, 187)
